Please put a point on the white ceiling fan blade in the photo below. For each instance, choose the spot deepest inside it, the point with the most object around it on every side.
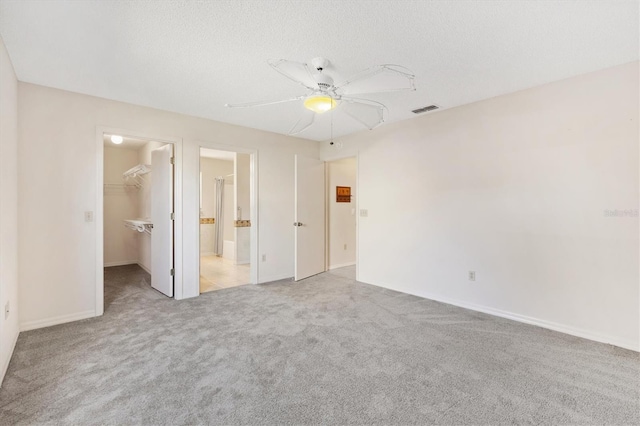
(295, 71)
(262, 103)
(368, 113)
(305, 120)
(381, 78)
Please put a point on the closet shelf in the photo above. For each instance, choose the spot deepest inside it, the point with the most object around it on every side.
(135, 174)
(120, 186)
(139, 170)
(139, 225)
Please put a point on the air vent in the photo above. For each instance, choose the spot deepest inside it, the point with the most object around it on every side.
(425, 109)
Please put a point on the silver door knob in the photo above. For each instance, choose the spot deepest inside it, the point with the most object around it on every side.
(297, 223)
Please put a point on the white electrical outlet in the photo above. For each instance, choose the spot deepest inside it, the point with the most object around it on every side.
(264, 257)
(6, 310)
(364, 213)
(88, 216)
(472, 275)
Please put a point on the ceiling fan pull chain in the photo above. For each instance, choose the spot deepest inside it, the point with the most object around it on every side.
(332, 127)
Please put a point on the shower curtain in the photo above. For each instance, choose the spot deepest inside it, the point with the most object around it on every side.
(218, 236)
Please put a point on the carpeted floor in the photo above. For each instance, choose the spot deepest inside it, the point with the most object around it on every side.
(327, 350)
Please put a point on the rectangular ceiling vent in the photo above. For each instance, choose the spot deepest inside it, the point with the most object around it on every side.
(425, 109)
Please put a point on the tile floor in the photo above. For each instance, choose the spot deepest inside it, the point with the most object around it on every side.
(217, 273)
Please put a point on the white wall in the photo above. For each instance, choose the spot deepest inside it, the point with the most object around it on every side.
(342, 219)
(120, 243)
(144, 204)
(514, 188)
(57, 168)
(8, 208)
(212, 168)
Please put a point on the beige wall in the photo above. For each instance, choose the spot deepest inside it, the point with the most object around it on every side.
(58, 149)
(515, 188)
(8, 208)
(120, 202)
(243, 200)
(242, 174)
(342, 218)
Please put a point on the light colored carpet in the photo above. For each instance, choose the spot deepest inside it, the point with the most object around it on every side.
(327, 350)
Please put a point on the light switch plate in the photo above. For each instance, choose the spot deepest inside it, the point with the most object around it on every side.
(364, 213)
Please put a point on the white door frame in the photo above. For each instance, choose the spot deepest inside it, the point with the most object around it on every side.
(253, 200)
(328, 195)
(99, 213)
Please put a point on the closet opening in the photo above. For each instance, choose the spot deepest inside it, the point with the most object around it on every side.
(225, 219)
(138, 215)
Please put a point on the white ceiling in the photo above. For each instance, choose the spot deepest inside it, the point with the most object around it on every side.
(193, 57)
(127, 142)
(218, 155)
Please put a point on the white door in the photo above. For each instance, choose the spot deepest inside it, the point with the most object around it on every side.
(309, 217)
(161, 217)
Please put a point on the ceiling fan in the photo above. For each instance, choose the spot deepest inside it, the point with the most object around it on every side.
(323, 95)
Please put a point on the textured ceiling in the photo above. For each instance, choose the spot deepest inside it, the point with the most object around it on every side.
(193, 57)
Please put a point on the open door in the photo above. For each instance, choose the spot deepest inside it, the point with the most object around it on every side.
(162, 268)
(309, 217)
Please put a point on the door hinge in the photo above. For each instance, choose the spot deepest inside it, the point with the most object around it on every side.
(172, 272)
(172, 160)
(173, 216)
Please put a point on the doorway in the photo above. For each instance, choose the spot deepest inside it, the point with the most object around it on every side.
(325, 218)
(225, 219)
(341, 216)
(138, 210)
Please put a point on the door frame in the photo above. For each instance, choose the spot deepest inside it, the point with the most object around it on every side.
(254, 265)
(327, 160)
(99, 213)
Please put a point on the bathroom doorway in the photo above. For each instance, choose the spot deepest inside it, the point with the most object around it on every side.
(138, 213)
(225, 222)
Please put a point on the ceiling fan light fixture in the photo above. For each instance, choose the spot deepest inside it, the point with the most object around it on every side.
(320, 103)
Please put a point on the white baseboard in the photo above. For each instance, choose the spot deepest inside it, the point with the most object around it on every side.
(242, 262)
(207, 253)
(5, 364)
(341, 265)
(550, 325)
(62, 319)
(271, 278)
(121, 263)
(145, 268)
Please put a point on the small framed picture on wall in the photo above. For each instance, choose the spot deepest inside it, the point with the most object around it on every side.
(343, 194)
